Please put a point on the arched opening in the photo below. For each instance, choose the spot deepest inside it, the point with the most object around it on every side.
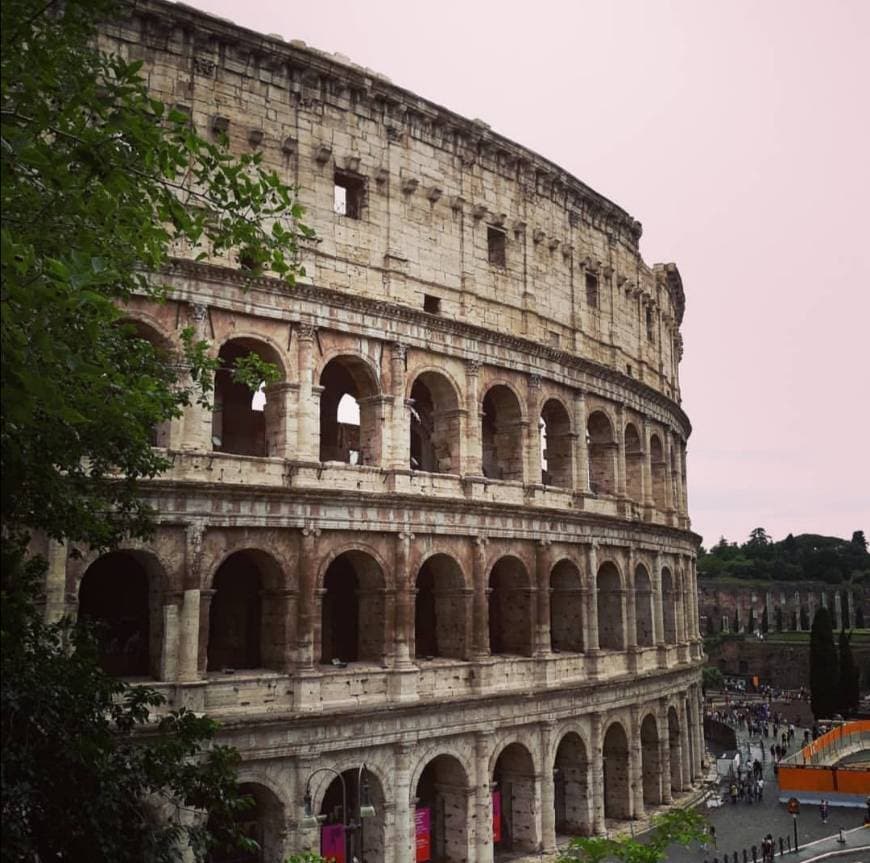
(611, 633)
(513, 801)
(263, 823)
(443, 795)
(353, 612)
(510, 620)
(676, 750)
(669, 607)
(650, 761)
(657, 467)
(556, 441)
(244, 422)
(566, 608)
(434, 424)
(602, 454)
(633, 464)
(350, 427)
(363, 838)
(643, 599)
(571, 787)
(502, 434)
(120, 594)
(248, 626)
(617, 800)
(439, 609)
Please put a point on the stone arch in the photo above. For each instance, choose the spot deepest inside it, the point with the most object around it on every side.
(513, 777)
(368, 841)
(246, 423)
(658, 470)
(444, 791)
(617, 791)
(611, 612)
(440, 609)
(248, 623)
(633, 463)
(121, 593)
(572, 796)
(557, 442)
(566, 608)
(675, 745)
(353, 609)
(651, 767)
(602, 453)
(264, 823)
(435, 423)
(502, 433)
(510, 607)
(669, 607)
(355, 437)
(644, 611)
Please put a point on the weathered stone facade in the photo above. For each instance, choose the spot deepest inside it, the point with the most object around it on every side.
(482, 584)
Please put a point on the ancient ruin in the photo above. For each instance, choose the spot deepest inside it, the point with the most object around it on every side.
(437, 582)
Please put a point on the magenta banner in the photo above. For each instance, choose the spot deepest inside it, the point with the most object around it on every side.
(422, 834)
(332, 842)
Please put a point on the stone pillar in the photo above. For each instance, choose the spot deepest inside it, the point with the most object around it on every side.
(308, 410)
(665, 751)
(188, 636)
(850, 609)
(548, 791)
(281, 433)
(306, 565)
(658, 617)
(590, 609)
(196, 422)
(169, 648)
(474, 445)
(581, 450)
(680, 587)
(397, 450)
(403, 835)
(630, 604)
(542, 570)
(404, 600)
(635, 765)
(648, 500)
(797, 606)
(534, 466)
(483, 741)
(205, 598)
(621, 489)
(697, 717)
(55, 581)
(596, 786)
(685, 748)
(838, 611)
(481, 599)
(670, 503)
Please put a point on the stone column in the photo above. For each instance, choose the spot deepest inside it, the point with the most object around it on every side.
(685, 747)
(169, 648)
(188, 636)
(398, 446)
(670, 503)
(481, 599)
(581, 450)
(196, 422)
(596, 787)
(679, 577)
(534, 466)
(474, 446)
(630, 604)
(281, 434)
(404, 600)
(55, 581)
(306, 564)
(665, 751)
(590, 606)
(483, 741)
(542, 570)
(205, 598)
(838, 611)
(548, 791)
(403, 835)
(621, 488)
(635, 765)
(850, 609)
(697, 716)
(308, 409)
(648, 500)
(658, 617)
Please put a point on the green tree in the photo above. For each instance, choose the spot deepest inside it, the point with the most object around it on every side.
(777, 614)
(711, 678)
(824, 672)
(849, 674)
(750, 625)
(765, 623)
(99, 183)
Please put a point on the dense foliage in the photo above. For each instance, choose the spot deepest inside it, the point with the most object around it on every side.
(806, 557)
(100, 182)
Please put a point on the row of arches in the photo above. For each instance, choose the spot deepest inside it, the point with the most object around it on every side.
(617, 459)
(583, 783)
(252, 621)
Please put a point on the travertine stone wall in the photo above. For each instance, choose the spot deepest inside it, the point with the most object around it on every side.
(482, 590)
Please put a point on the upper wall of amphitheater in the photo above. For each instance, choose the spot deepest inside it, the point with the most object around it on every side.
(441, 213)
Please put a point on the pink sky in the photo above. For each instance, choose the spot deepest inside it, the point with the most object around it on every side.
(738, 132)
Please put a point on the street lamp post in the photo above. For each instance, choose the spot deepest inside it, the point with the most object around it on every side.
(364, 806)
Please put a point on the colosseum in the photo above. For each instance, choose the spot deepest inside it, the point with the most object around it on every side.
(438, 582)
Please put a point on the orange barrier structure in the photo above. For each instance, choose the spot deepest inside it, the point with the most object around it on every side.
(813, 774)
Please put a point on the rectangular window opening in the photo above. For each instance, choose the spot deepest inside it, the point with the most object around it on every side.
(650, 329)
(431, 304)
(592, 290)
(496, 243)
(349, 195)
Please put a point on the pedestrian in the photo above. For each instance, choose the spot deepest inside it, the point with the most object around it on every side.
(759, 786)
(767, 849)
(823, 811)
(733, 792)
(773, 752)
(713, 836)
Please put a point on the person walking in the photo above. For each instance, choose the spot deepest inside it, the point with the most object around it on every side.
(767, 849)
(823, 811)
(759, 788)
(733, 792)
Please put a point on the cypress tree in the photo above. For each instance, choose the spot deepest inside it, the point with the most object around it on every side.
(765, 623)
(824, 672)
(849, 686)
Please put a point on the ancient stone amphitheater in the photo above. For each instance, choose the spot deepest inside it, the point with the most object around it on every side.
(438, 582)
